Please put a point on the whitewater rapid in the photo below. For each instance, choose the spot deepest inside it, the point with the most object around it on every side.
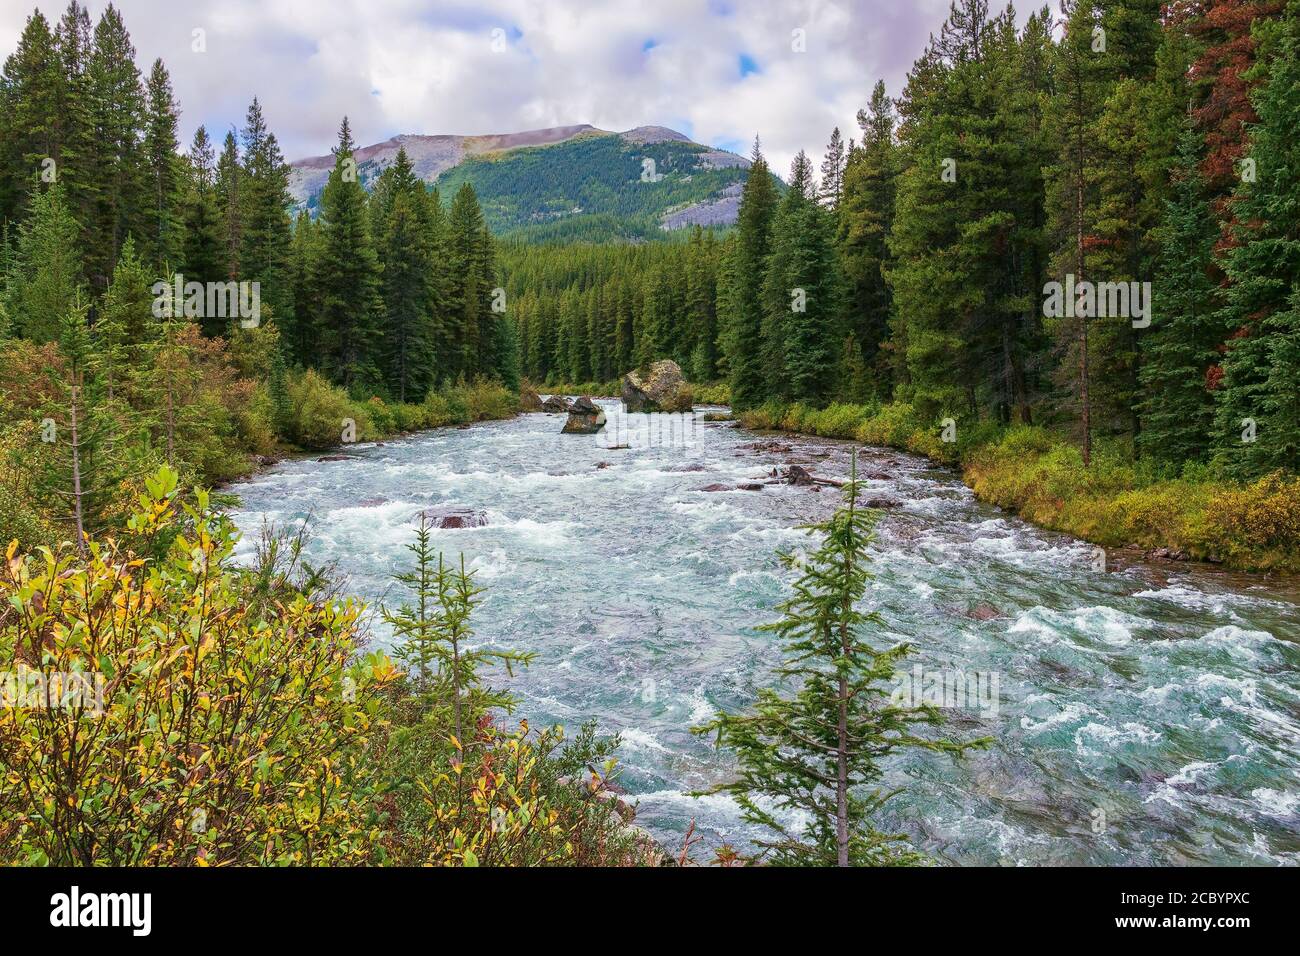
(1143, 714)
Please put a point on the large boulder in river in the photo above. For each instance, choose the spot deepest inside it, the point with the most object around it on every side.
(555, 403)
(660, 389)
(585, 418)
(529, 400)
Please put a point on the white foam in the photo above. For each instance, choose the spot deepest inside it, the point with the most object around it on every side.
(634, 738)
(1276, 803)
(1069, 713)
(1111, 737)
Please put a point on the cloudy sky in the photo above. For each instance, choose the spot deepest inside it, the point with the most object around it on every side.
(717, 70)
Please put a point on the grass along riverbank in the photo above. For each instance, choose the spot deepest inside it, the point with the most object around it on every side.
(1117, 501)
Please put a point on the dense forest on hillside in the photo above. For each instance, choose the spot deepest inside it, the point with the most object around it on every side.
(594, 187)
(381, 312)
(1140, 147)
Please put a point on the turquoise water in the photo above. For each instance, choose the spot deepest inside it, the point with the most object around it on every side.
(1144, 715)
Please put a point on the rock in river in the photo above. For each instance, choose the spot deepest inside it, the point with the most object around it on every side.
(585, 418)
(661, 389)
(529, 400)
(450, 516)
(555, 403)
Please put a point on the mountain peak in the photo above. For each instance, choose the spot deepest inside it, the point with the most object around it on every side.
(583, 172)
(654, 134)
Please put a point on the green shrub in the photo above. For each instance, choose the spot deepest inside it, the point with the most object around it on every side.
(891, 426)
(717, 393)
(1258, 524)
(318, 410)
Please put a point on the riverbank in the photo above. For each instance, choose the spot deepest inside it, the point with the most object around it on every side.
(1115, 502)
(318, 416)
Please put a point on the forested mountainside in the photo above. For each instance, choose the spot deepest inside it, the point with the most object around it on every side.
(565, 183)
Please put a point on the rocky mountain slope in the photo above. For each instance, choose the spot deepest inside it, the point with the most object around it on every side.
(566, 182)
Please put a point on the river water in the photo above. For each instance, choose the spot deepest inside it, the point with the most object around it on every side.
(1143, 714)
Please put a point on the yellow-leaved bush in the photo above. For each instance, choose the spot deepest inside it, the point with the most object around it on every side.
(229, 730)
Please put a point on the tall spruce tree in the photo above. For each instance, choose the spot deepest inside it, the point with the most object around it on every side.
(1261, 371)
(203, 250)
(1181, 347)
(346, 274)
(866, 215)
(45, 270)
(32, 95)
(118, 187)
(743, 295)
(832, 184)
(230, 190)
(802, 296)
(469, 315)
(162, 225)
(264, 226)
(407, 256)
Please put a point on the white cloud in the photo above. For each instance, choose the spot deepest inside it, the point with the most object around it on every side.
(428, 66)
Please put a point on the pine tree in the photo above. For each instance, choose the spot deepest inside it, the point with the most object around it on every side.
(45, 272)
(78, 147)
(702, 304)
(832, 185)
(265, 231)
(1083, 82)
(203, 251)
(230, 191)
(406, 253)
(32, 96)
(124, 324)
(118, 188)
(801, 296)
(1180, 349)
(866, 215)
(818, 750)
(469, 291)
(953, 232)
(743, 296)
(162, 248)
(1261, 371)
(346, 274)
(433, 635)
(301, 342)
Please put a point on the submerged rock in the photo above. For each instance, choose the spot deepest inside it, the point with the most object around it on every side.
(451, 516)
(880, 501)
(798, 475)
(661, 389)
(335, 458)
(555, 403)
(1168, 554)
(585, 418)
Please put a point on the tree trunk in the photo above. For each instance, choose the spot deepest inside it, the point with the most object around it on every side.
(842, 724)
(76, 471)
(1085, 403)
